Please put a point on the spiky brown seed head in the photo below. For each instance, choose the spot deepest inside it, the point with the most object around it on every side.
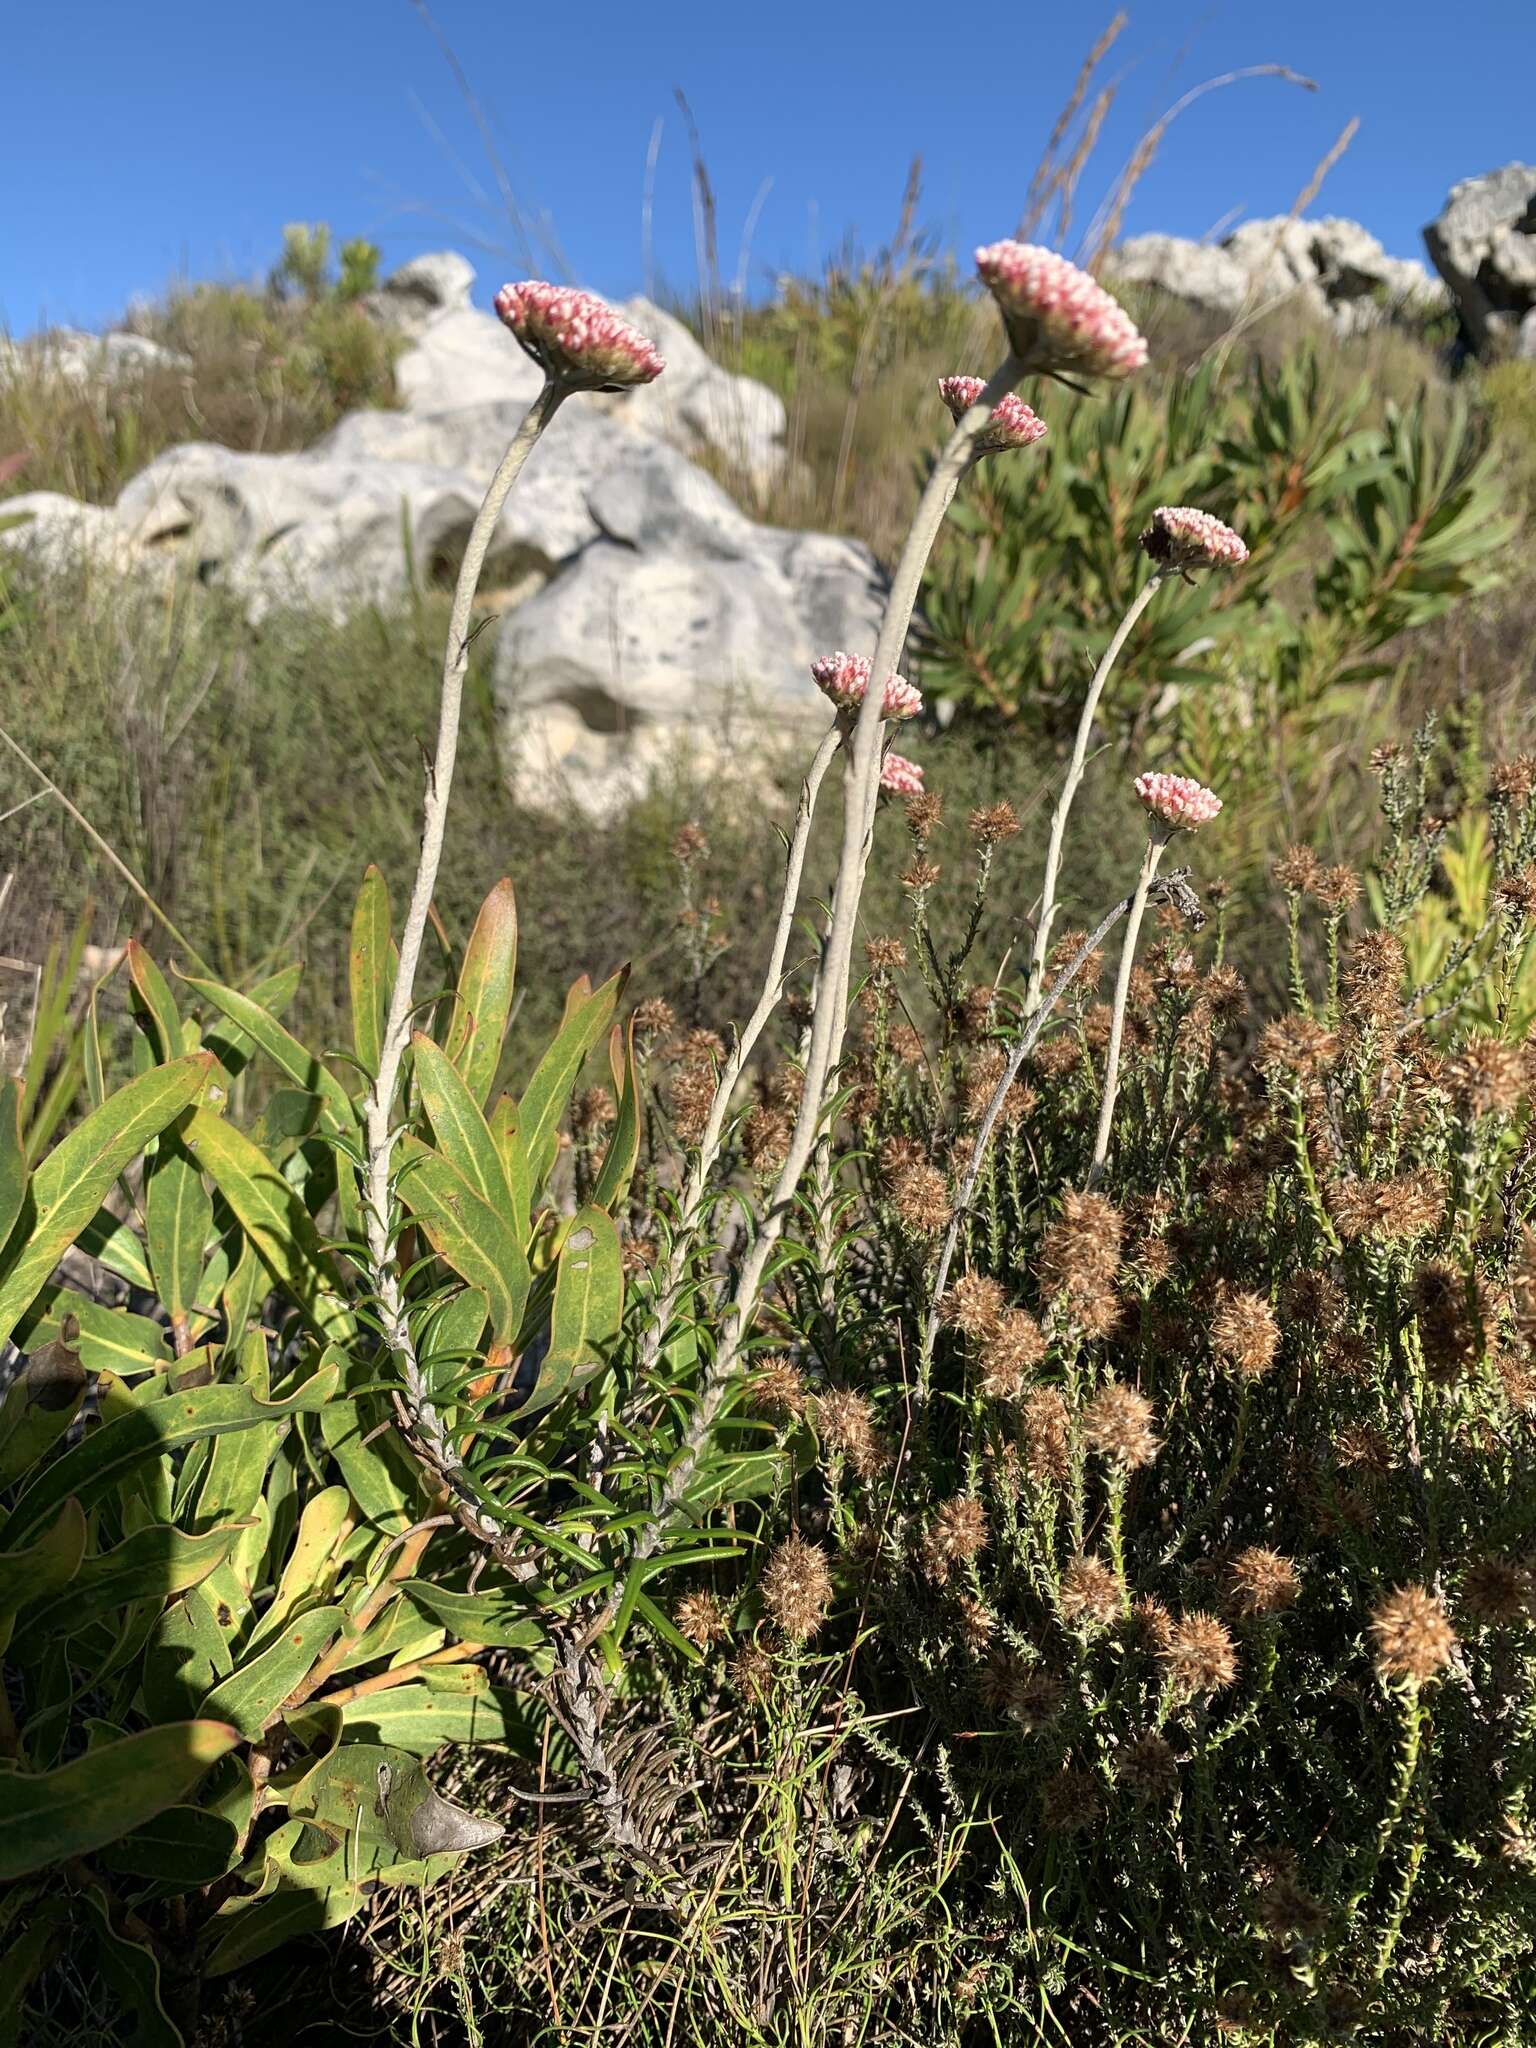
(654, 1019)
(1511, 781)
(700, 1617)
(991, 824)
(1149, 1625)
(1516, 895)
(1449, 1309)
(1080, 1252)
(1009, 1353)
(1395, 1210)
(920, 875)
(1261, 1582)
(1499, 1593)
(752, 1672)
(1298, 1045)
(765, 1138)
(1413, 1635)
(1118, 1422)
(1373, 977)
(885, 956)
(777, 1388)
(1147, 1767)
(975, 1623)
(924, 812)
(1069, 1801)
(797, 1587)
(1244, 1334)
(920, 1197)
(973, 1305)
(1488, 1076)
(1200, 1655)
(1287, 1913)
(1091, 1595)
(689, 844)
(845, 1423)
(592, 1111)
(692, 1097)
(897, 1154)
(1337, 889)
(957, 1533)
(1045, 1426)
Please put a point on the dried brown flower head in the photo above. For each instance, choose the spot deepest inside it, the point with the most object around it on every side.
(1360, 1447)
(920, 1197)
(701, 1619)
(1200, 1655)
(765, 1138)
(1044, 1426)
(1149, 1625)
(1245, 1335)
(1448, 1307)
(1297, 870)
(1487, 1075)
(1032, 1696)
(653, 1019)
(1065, 951)
(1413, 1635)
(1069, 1801)
(777, 1388)
(1010, 1351)
(957, 1533)
(1298, 1045)
(752, 1672)
(691, 1098)
(920, 875)
(1287, 1913)
(975, 1623)
(1118, 1422)
(973, 1305)
(1397, 1209)
(1147, 1767)
(1080, 1252)
(592, 1111)
(1517, 894)
(689, 844)
(1373, 977)
(906, 1043)
(1314, 1298)
(1055, 1058)
(1512, 781)
(1261, 1582)
(797, 1587)
(923, 814)
(1091, 1595)
(845, 1423)
(1499, 1593)
(993, 823)
(885, 956)
(897, 1154)
(1337, 889)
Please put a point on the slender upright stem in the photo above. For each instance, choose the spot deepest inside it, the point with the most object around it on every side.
(378, 1127)
(654, 1333)
(1069, 787)
(1155, 844)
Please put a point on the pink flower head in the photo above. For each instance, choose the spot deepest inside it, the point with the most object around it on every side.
(1182, 803)
(1012, 424)
(1180, 537)
(576, 337)
(1056, 316)
(845, 678)
(901, 776)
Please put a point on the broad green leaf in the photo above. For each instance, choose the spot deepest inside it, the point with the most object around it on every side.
(183, 1845)
(299, 1893)
(47, 1817)
(132, 1968)
(110, 1340)
(379, 1475)
(178, 1222)
(241, 1293)
(482, 1004)
(449, 1346)
(462, 1133)
(115, 1245)
(587, 1017)
(41, 1403)
(70, 1185)
(254, 1691)
(467, 1233)
(13, 1161)
(237, 1469)
(514, 1163)
(184, 1658)
(91, 1468)
(44, 1567)
(489, 1618)
(151, 1564)
(417, 1719)
(310, 1566)
(623, 1154)
(285, 1052)
(372, 962)
(588, 1307)
(155, 1001)
(274, 1219)
(228, 1043)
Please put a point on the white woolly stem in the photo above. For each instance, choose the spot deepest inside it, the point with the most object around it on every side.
(1155, 844)
(1069, 788)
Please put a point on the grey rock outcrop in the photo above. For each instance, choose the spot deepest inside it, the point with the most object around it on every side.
(114, 358)
(684, 627)
(1332, 267)
(1483, 243)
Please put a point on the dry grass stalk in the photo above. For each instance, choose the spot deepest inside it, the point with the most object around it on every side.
(1048, 176)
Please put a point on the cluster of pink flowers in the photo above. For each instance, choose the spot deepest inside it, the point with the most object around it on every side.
(1012, 425)
(1180, 802)
(1182, 537)
(577, 337)
(1057, 317)
(845, 678)
(901, 776)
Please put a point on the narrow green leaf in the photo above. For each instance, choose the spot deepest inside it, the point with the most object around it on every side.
(255, 1690)
(41, 1403)
(178, 1222)
(418, 1720)
(587, 1017)
(285, 1052)
(274, 1219)
(489, 1618)
(514, 1163)
(482, 1004)
(372, 962)
(623, 1154)
(182, 1845)
(46, 1566)
(151, 1564)
(155, 1001)
(70, 1185)
(588, 1307)
(110, 1340)
(47, 1817)
(467, 1233)
(91, 1468)
(462, 1133)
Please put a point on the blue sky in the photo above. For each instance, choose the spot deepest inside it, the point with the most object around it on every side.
(176, 136)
